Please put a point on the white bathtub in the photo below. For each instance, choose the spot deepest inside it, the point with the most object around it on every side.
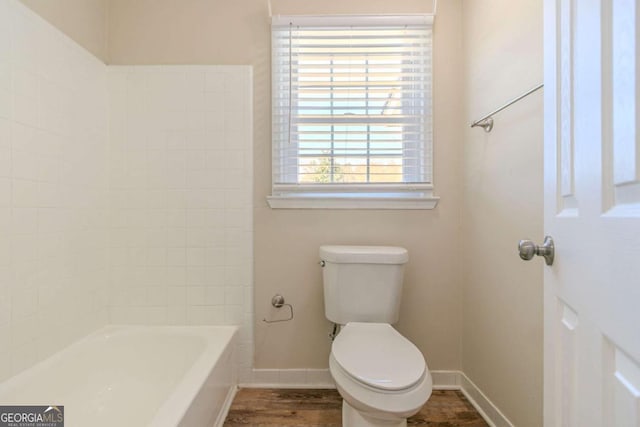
(134, 376)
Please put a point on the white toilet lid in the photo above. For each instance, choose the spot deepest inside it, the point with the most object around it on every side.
(377, 355)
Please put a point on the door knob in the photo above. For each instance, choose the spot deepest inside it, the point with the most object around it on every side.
(528, 250)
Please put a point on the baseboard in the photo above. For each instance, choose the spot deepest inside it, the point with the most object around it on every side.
(224, 411)
(321, 378)
(483, 405)
(288, 378)
(446, 380)
(457, 380)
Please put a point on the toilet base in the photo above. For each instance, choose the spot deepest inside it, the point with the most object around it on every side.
(351, 417)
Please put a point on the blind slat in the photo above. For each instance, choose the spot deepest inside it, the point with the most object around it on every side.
(351, 103)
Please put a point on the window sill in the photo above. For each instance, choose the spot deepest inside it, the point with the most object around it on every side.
(307, 201)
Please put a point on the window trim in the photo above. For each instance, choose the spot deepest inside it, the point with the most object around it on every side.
(301, 201)
(359, 196)
(353, 196)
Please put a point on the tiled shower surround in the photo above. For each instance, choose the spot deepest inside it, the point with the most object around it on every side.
(125, 194)
(54, 263)
(181, 215)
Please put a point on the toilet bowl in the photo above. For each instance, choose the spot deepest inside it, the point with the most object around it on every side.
(382, 376)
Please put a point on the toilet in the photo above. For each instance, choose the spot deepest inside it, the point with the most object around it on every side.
(381, 376)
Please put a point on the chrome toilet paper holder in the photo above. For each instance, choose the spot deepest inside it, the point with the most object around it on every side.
(278, 302)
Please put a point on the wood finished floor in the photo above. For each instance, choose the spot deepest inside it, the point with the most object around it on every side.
(323, 408)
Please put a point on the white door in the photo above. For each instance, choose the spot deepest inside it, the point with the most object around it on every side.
(592, 210)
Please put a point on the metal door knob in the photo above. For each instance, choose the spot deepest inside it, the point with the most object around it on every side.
(528, 250)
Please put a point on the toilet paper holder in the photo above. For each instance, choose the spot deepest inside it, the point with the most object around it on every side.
(278, 302)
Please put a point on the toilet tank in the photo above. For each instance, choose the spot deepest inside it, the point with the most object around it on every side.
(362, 283)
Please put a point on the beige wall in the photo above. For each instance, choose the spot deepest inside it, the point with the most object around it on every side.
(85, 21)
(287, 241)
(311, 7)
(502, 172)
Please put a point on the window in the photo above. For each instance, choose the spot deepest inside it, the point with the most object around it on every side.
(351, 112)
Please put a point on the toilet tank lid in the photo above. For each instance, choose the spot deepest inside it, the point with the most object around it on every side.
(342, 254)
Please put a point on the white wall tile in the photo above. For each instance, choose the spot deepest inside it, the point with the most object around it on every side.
(5, 30)
(53, 188)
(189, 215)
(205, 315)
(215, 295)
(5, 192)
(233, 314)
(177, 315)
(125, 192)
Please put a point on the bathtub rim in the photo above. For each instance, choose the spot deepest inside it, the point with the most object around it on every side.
(177, 403)
(198, 374)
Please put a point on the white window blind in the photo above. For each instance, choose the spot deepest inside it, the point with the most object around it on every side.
(351, 105)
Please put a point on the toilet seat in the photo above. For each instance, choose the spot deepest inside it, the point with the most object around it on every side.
(377, 356)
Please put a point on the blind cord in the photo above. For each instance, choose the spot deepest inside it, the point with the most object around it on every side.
(290, 78)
